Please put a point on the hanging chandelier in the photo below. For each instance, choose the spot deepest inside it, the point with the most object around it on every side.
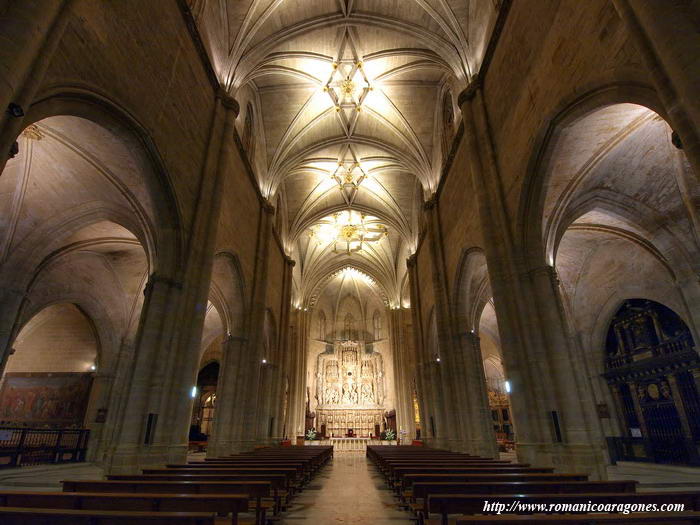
(348, 231)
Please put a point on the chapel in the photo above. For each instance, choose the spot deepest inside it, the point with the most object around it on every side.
(348, 260)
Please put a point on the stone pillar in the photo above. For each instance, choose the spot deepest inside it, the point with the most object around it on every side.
(248, 417)
(452, 375)
(11, 301)
(167, 345)
(482, 439)
(402, 381)
(427, 378)
(183, 360)
(619, 409)
(667, 38)
(287, 350)
(297, 387)
(220, 441)
(30, 32)
(152, 341)
(531, 324)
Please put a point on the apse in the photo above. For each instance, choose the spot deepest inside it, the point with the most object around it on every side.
(350, 376)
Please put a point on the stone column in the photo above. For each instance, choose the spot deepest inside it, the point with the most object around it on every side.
(666, 36)
(182, 362)
(297, 387)
(288, 350)
(152, 341)
(248, 423)
(531, 325)
(220, 441)
(30, 32)
(402, 386)
(100, 393)
(482, 439)
(11, 301)
(426, 378)
(452, 376)
(619, 409)
(170, 330)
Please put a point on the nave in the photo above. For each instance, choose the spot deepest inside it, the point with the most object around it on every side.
(389, 485)
(230, 226)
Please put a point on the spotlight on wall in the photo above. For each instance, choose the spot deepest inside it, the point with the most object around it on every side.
(264, 361)
(507, 385)
(437, 359)
(93, 367)
(193, 393)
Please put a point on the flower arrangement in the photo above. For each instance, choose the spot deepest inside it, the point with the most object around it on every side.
(311, 434)
(388, 435)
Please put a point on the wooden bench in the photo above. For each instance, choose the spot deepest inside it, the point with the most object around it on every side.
(278, 483)
(293, 481)
(222, 504)
(31, 516)
(397, 475)
(406, 491)
(423, 491)
(255, 490)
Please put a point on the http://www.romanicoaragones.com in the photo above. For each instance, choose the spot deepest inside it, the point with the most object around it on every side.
(517, 507)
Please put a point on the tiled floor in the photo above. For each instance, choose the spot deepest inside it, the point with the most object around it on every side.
(348, 491)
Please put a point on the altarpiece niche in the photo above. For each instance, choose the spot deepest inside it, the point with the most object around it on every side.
(350, 389)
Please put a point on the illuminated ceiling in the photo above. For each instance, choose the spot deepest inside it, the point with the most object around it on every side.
(348, 100)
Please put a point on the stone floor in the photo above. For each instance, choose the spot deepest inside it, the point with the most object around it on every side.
(46, 477)
(349, 490)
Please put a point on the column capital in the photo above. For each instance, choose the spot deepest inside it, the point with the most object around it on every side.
(228, 101)
(291, 262)
(469, 92)
(470, 336)
(159, 279)
(431, 203)
(544, 269)
(268, 207)
(234, 339)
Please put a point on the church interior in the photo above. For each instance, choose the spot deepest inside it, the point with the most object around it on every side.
(361, 261)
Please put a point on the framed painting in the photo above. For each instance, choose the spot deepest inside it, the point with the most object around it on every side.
(45, 399)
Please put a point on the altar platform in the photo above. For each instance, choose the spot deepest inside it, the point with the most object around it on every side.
(348, 444)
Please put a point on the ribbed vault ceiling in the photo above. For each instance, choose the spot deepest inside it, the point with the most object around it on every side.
(349, 100)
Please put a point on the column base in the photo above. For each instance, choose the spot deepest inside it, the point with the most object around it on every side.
(573, 458)
(132, 459)
(477, 447)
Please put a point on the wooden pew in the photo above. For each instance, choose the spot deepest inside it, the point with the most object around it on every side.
(303, 472)
(31, 516)
(222, 504)
(397, 474)
(421, 491)
(278, 483)
(407, 481)
(292, 484)
(255, 490)
(446, 504)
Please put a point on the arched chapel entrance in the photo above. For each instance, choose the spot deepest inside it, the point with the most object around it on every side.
(653, 370)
